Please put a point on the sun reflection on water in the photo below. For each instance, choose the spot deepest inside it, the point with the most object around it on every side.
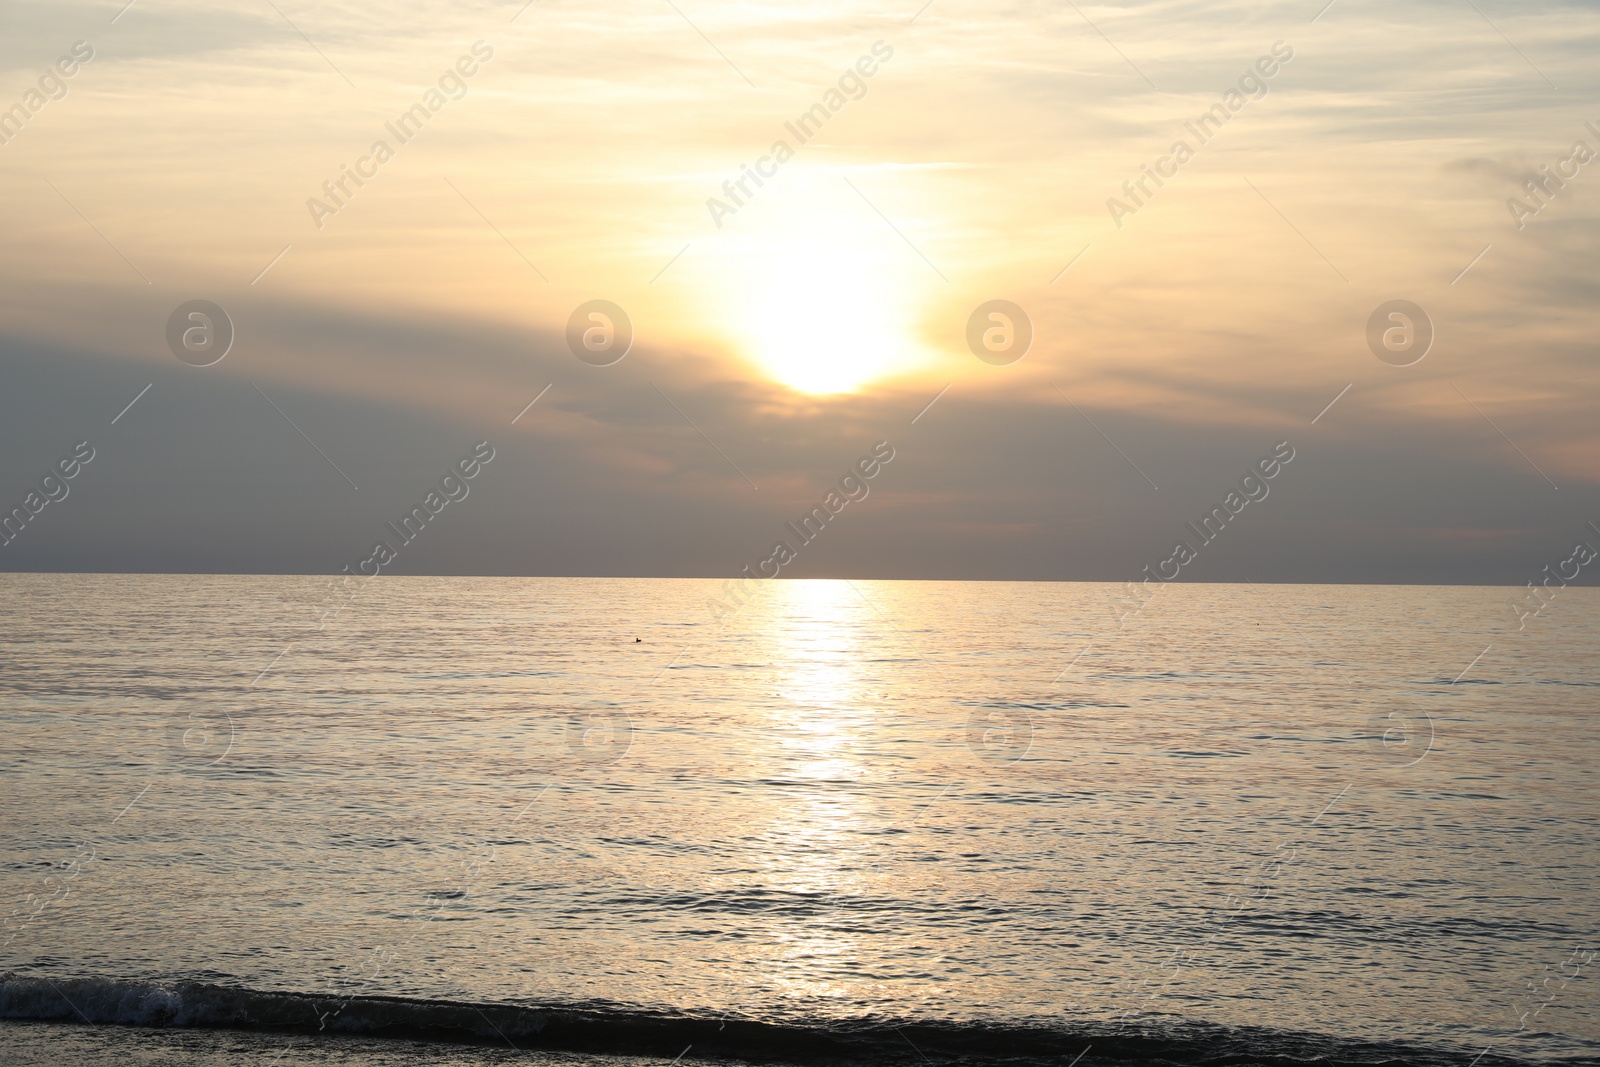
(818, 667)
(824, 831)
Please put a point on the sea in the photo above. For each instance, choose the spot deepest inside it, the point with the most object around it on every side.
(422, 820)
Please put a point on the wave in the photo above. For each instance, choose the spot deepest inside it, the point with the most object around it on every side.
(617, 1031)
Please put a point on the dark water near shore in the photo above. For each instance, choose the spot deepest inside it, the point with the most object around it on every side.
(880, 821)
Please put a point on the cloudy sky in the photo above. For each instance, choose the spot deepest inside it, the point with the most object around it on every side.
(1180, 330)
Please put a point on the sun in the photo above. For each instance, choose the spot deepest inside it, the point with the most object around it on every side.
(818, 293)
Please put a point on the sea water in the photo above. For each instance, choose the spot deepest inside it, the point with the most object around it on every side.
(249, 817)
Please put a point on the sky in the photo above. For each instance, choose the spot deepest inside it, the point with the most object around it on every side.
(1190, 312)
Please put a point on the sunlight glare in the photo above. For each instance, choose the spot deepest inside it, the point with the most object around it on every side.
(825, 295)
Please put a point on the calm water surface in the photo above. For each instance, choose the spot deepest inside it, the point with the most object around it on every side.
(1360, 812)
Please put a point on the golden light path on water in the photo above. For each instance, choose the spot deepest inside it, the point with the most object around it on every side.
(818, 655)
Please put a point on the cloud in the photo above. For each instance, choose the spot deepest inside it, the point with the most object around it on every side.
(605, 476)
